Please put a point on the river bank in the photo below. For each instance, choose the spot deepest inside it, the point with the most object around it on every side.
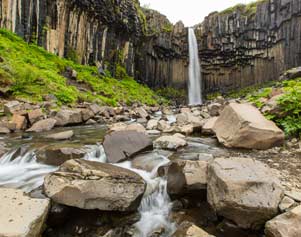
(171, 196)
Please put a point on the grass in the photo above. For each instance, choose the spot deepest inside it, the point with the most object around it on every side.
(246, 10)
(30, 73)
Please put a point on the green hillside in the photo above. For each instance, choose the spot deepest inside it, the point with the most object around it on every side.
(30, 72)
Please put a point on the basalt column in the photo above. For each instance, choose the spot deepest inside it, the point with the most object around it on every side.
(248, 45)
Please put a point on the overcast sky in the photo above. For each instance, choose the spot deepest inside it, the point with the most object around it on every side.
(190, 12)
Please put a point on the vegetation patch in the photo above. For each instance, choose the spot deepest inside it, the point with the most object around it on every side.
(289, 103)
(175, 96)
(32, 73)
(246, 10)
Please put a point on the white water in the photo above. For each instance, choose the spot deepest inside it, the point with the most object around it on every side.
(194, 85)
(155, 206)
(23, 172)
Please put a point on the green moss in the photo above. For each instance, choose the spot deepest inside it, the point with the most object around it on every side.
(72, 55)
(246, 10)
(31, 73)
(213, 96)
(177, 96)
(142, 17)
(167, 28)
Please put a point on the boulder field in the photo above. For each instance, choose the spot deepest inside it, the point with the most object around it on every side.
(237, 190)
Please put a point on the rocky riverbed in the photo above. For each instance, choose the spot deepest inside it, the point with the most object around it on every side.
(220, 169)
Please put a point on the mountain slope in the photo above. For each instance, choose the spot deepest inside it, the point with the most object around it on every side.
(30, 72)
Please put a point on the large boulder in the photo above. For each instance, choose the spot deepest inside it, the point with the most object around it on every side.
(243, 126)
(243, 190)
(285, 225)
(69, 117)
(185, 177)
(93, 185)
(170, 142)
(20, 215)
(122, 145)
(43, 125)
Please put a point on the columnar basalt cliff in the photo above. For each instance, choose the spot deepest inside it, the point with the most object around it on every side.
(241, 46)
(87, 31)
(162, 56)
(250, 44)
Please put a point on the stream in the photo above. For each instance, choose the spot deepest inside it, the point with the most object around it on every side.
(21, 168)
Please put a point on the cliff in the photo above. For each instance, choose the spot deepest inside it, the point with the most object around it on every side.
(247, 45)
(82, 30)
(241, 46)
(162, 56)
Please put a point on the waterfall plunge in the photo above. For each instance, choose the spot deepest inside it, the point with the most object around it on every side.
(194, 87)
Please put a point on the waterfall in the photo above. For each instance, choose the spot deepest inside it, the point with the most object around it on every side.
(194, 85)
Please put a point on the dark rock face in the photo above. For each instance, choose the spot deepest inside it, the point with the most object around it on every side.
(239, 49)
(121, 145)
(162, 58)
(95, 30)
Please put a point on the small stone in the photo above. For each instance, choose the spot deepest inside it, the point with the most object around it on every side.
(286, 204)
(294, 194)
(170, 142)
(61, 136)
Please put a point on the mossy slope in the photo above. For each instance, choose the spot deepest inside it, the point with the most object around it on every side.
(30, 72)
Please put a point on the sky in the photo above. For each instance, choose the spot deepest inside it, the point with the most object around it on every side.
(191, 12)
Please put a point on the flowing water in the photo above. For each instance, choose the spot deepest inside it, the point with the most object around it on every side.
(22, 171)
(194, 85)
(20, 168)
(155, 207)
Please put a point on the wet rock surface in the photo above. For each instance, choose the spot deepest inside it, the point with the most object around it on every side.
(188, 181)
(95, 186)
(120, 146)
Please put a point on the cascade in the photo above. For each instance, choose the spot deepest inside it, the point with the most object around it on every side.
(194, 85)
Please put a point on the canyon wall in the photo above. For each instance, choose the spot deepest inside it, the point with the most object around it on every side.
(249, 45)
(241, 46)
(90, 32)
(162, 56)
